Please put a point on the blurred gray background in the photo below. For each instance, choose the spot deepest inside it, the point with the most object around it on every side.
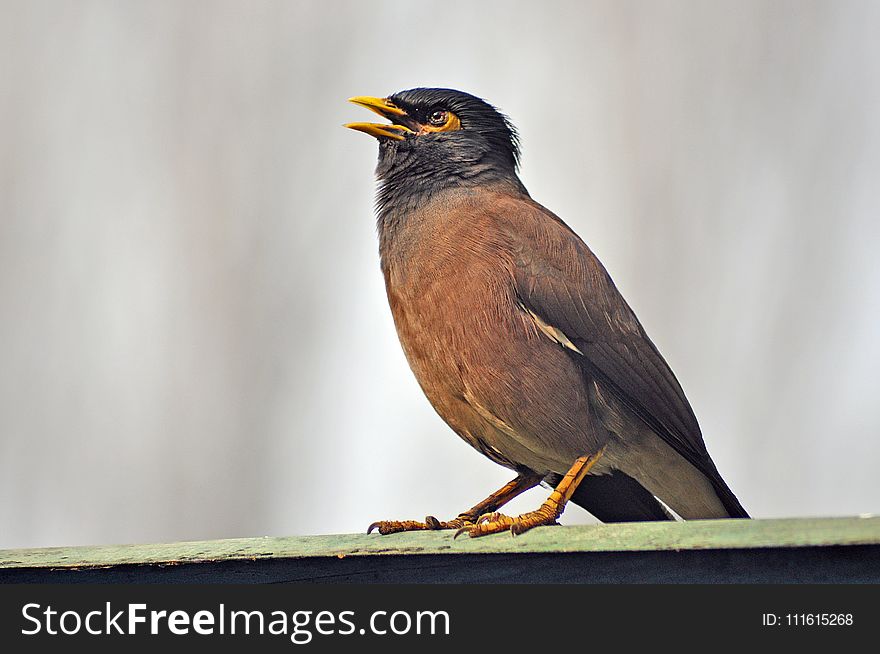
(194, 337)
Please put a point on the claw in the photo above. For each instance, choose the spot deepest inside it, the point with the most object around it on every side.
(431, 523)
(493, 523)
(386, 527)
(488, 517)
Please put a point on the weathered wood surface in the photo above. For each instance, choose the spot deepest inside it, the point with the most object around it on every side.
(822, 550)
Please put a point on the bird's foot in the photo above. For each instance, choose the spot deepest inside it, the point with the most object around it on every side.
(430, 524)
(493, 523)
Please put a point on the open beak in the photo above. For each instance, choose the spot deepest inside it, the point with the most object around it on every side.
(385, 108)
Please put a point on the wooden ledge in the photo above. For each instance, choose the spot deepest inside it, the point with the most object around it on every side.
(777, 550)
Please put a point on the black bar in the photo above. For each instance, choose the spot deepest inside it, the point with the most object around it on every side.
(501, 617)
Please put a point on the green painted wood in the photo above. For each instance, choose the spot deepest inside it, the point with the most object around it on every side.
(632, 537)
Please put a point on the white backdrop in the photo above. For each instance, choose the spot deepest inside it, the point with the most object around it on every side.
(194, 338)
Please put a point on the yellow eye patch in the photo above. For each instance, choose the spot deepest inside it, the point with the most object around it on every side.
(449, 124)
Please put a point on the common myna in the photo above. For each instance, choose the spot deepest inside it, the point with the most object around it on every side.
(518, 336)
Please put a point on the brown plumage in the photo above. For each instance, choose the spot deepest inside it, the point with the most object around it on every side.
(516, 333)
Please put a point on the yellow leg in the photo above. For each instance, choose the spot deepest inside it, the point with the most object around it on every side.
(495, 501)
(492, 523)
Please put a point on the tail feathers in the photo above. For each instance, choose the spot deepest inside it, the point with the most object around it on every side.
(617, 497)
(728, 499)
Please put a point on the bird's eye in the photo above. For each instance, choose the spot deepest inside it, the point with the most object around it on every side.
(440, 120)
(438, 117)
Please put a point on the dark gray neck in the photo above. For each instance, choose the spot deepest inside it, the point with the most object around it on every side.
(409, 181)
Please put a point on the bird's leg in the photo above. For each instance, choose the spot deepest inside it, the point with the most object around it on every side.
(523, 482)
(491, 523)
(495, 501)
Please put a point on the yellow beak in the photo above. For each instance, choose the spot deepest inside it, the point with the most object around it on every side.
(385, 108)
(382, 106)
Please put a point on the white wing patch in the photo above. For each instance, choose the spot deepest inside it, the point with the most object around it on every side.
(550, 331)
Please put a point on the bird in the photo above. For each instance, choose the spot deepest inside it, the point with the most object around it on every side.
(517, 334)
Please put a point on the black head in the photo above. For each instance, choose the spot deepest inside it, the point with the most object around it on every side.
(440, 138)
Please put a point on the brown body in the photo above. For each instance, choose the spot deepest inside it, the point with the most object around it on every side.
(518, 336)
(492, 368)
